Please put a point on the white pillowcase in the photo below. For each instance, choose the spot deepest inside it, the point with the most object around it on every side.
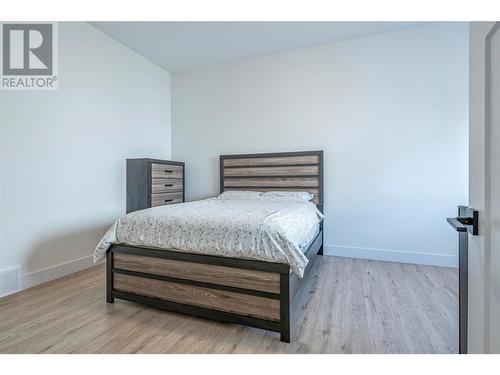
(240, 195)
(302, 195)
(274, 198)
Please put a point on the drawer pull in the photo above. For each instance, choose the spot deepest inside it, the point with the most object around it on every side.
(168, 200)
(167, 171)
(168, 185)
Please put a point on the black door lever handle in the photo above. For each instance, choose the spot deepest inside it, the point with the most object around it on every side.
(466, 220)
(456, 224)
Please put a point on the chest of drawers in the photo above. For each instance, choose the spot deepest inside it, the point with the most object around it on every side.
(153, 182)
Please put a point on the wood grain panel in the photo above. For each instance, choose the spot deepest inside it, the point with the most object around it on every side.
(284, 160)
(273, 182)
(315, 192)
(166, 171)
(161, 199)
(258, 307)
(289, 171)
(165, 185)
(272, 171)
(229, 276)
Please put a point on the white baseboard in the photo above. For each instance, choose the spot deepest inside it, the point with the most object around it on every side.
(54, 272)
(10, 281)
(392, 255)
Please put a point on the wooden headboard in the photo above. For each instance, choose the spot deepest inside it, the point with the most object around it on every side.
(285, 171)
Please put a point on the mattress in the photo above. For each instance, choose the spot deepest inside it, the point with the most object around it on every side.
(272, 230)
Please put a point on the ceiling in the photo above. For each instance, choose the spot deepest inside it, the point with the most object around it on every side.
(179, 46)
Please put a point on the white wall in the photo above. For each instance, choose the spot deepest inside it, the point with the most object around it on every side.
(390, 111)
(63, 152)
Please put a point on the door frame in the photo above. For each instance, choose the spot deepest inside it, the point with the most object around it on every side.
(487, 185)
(480, 314)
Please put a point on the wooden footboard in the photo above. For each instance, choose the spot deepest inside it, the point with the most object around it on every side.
(240, 291)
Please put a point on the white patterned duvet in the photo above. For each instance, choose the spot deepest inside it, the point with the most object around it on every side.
(271, 230)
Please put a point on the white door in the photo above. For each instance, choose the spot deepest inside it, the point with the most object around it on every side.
(484, 187)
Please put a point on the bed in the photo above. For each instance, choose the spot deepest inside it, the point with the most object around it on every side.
(165, 256)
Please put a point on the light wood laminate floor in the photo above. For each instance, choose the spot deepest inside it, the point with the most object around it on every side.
(346, 306)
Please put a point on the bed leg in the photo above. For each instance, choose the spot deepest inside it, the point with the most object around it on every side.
(285, 336)
(109, 277)
(320, 251)
(285, 307)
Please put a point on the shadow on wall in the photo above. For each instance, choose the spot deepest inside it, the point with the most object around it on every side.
(62, 255)
(216, 174)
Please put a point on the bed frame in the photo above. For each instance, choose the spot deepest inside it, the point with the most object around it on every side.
(248, 292)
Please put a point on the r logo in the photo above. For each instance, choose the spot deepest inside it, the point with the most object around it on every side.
(27, 49)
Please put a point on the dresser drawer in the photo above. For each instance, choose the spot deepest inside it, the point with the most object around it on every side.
(161, 199)
(166, 171)
(166, 185)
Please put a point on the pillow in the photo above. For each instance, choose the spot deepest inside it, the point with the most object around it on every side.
(302, 195)
(275, 198)
(240, 195)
